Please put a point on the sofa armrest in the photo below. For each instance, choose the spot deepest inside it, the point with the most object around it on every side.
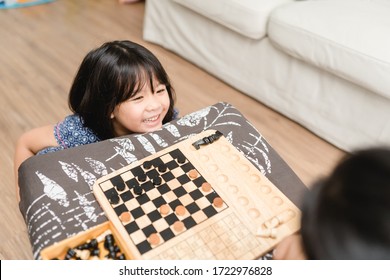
(230, 13)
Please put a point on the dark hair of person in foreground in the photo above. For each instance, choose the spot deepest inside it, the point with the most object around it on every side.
(347, 215)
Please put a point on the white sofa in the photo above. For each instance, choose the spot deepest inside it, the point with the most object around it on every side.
(323, 63)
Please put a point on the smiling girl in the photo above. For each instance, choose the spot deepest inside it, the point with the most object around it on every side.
(119, 89)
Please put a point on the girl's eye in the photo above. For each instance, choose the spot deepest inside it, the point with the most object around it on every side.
(137, 98)
(161, 89)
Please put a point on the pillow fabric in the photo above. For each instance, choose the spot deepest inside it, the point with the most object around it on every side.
(57, 201)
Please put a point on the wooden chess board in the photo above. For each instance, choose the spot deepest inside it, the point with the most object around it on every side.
(196, 202)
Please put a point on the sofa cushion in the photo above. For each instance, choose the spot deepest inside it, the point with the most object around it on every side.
(345, 37)
(247, 17)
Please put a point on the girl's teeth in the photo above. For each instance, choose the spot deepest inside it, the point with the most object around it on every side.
(151, 119)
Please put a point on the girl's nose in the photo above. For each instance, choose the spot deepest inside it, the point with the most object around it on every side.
(153, 102)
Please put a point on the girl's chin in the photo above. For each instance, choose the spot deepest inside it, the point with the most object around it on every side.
(151, 127)
(141, 129)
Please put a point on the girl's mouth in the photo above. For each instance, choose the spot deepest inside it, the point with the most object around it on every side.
(152, 119)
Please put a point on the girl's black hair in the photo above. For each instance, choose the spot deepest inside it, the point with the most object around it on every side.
(347, 215)
(112, 74)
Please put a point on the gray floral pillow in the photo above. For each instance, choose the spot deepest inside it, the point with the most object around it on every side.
(57, 201)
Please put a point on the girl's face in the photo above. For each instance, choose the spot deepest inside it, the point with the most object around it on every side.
(144, 112)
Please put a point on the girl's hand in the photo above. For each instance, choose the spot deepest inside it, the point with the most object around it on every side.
(290, 248)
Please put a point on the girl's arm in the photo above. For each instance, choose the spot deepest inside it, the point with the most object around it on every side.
(29, 144)
(290, 248)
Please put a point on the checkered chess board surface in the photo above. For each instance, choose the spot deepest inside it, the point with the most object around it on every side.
(164, 181)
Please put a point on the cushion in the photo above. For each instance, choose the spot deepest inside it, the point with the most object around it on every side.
(346, 38)
(247, 17)
(57, 201)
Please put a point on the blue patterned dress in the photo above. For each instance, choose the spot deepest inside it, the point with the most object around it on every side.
(72, 133)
